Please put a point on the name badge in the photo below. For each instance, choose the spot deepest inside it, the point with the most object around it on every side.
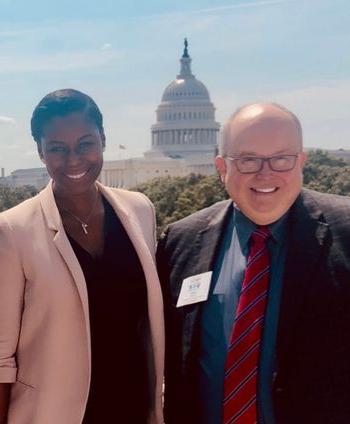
(194, 289)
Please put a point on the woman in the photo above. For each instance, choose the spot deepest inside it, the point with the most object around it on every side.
(81, 327)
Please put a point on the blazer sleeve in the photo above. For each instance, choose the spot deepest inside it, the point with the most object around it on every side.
(12, 284)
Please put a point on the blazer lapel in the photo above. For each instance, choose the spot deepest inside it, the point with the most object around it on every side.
(306, 241)
(154, 293)
(134, 231)
(61, 241)
(130, 225)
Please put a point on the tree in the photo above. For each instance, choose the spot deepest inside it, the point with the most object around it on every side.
(10, 197)
(327, 173)
(176, 197)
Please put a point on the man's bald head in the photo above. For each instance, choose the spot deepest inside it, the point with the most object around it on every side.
(261, 160)
(256, 114)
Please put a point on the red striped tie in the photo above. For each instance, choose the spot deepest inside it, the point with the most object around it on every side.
(240, 387)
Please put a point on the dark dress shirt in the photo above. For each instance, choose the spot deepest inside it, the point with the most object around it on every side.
(118, 324)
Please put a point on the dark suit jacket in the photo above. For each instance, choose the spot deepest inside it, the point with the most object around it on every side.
(312, 382)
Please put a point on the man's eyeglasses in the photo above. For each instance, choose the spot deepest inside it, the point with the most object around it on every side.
(253, 164)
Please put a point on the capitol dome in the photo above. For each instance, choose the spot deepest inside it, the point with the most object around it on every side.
(189, 88)
(185, 125)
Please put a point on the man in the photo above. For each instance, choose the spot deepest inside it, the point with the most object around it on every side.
(265, 337)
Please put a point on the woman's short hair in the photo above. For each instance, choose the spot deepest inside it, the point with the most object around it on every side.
(62, 103)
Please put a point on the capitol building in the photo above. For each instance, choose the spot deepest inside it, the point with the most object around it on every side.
(185, 126)
(183, 138)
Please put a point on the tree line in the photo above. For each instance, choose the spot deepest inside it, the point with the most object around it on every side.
(177, 197)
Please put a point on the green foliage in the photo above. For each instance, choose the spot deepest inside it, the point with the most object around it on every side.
(326, 173)
(177, 197)
(12, 196)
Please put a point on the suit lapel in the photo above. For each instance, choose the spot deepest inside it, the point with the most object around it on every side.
(199, 255)
(62, 244)
(306, 241)
(211, 236)
(203, 253)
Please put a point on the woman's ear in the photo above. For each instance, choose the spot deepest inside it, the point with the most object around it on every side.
(40, 152)
(103, 139)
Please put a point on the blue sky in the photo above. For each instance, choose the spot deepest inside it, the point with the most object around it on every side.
(124, 53)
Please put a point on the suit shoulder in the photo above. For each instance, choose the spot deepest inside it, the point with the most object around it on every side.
(329, 203)
(332, 209)
(200, 219)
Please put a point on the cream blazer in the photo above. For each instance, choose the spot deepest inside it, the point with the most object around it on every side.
(44, 313)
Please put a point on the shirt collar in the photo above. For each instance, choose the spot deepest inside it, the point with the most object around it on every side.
(245, 227)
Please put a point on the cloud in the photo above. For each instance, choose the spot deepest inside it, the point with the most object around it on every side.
(7, 120)
(217, 9)
(106, 46)
(63, 61)
(245, 5)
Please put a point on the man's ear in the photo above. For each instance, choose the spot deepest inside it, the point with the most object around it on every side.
(303, 159)
(221, 167)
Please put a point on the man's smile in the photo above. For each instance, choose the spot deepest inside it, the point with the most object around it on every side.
(265, 190)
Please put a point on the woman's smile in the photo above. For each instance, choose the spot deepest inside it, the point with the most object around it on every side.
(76, 176)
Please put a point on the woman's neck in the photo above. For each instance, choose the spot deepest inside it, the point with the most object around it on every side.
(79, 203)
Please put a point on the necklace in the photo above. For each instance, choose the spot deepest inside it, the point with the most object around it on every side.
(84, 224)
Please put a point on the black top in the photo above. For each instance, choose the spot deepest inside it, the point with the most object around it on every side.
(119, 325)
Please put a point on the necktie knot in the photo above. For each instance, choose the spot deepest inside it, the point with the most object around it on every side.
(261, 234)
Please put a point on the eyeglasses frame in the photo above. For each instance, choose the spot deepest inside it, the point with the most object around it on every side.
(263, 160)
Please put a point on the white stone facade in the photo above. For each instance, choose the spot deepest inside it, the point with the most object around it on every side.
(131, 172)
